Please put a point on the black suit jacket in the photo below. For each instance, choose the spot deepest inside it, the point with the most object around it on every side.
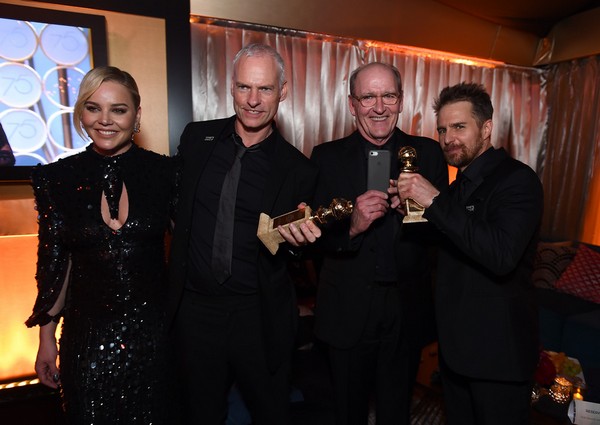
(348, 266)
(487, 323)
(292, 180)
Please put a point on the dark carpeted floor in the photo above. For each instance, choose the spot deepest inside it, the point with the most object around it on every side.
(38, 405)
(311, 377)
(312, 396)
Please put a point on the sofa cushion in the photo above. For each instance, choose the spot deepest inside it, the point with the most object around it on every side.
(551, 260)
(582, 276)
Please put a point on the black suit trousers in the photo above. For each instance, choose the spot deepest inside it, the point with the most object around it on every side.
(377, 366)
(471, 401)
(219, 342)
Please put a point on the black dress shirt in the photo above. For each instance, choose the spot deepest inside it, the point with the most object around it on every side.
(255, 169)
(386, 227)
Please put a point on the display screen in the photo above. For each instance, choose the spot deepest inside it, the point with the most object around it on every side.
(44, 55)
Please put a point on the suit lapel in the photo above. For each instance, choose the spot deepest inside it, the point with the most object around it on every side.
(492, 161)
(356, 164)
(277, 176)
(203, 141)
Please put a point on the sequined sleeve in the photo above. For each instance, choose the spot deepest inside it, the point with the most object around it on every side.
(53, 258)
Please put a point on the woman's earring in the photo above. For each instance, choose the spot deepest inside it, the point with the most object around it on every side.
(136, 129)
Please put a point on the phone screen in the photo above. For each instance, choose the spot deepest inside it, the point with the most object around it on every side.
(378, 165)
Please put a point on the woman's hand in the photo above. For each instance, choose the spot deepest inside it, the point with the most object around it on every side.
(47, 355)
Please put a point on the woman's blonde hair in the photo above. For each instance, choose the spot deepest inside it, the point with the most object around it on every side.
(90, 83)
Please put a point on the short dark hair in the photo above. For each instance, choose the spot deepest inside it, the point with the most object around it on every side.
(469, 92)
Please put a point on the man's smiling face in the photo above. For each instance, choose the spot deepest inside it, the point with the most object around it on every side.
(375, 123)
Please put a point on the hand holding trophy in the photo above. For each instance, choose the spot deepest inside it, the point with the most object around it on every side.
(267, 226)
(407, 155)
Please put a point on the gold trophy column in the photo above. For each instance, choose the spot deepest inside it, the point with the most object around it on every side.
(407, 156)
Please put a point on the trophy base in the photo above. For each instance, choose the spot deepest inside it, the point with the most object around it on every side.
(414, 217)
(414, 212)
(267, 227)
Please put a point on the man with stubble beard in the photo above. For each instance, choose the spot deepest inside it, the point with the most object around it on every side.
(488, 220)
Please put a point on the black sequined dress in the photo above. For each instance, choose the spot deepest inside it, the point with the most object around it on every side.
(110, 347)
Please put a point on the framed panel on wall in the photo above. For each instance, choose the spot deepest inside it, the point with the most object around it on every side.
(44, 55)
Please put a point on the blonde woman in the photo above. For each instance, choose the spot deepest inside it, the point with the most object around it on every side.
(102, 218)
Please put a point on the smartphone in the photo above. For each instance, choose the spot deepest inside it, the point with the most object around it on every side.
(378, 170)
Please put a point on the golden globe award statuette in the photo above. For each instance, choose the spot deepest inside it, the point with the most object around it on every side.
(267, 226)
(407, 156)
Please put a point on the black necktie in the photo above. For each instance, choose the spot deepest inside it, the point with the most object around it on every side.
(223, 239)
(461, 186)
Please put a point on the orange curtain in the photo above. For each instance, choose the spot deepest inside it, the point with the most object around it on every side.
(548, 118)
(570, 156)
(318, 69)
(591, 225)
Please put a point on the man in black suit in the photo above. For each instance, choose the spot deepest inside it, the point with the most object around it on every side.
(238, 326)
(372, 262)
(488, 220)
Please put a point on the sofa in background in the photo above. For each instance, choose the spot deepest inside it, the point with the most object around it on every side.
(566, 278)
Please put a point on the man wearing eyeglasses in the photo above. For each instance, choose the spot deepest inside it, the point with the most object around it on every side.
(375, 275)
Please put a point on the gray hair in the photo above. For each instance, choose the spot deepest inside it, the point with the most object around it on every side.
(257, 49)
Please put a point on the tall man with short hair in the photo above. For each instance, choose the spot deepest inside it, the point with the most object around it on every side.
(488, 220)
(231, 304)
(372, 262)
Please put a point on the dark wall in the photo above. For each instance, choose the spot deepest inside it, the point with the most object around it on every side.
(176, 14)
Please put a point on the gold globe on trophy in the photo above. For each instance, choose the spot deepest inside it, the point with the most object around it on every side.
(267, 226)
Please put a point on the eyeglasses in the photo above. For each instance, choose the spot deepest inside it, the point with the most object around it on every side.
(369, 100)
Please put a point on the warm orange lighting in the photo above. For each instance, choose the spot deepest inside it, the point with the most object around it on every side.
(591, 218)
(19, 383)
(416, 51)
(196, 19)
(17, 284)
(436, 54)
(577, 395)
(452, 173)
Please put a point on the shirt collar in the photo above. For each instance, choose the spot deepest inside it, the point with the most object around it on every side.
(265, 145)
(477, 166)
